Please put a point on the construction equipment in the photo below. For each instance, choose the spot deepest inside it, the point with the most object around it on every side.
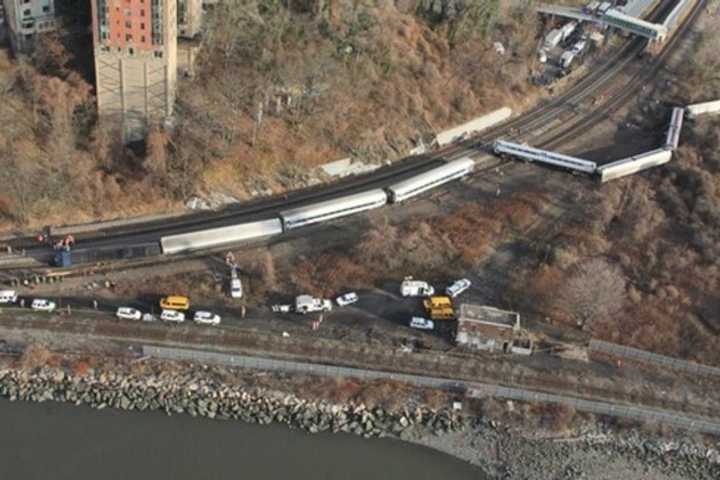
(439, 307)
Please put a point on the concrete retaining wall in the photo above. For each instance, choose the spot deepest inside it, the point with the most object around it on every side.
(472, 127)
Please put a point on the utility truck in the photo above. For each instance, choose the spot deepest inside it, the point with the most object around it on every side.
(308, 304)
(415, 288)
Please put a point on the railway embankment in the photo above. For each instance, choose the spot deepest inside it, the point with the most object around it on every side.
(503, 449)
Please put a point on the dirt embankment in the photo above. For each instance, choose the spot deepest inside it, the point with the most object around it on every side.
(335, 79)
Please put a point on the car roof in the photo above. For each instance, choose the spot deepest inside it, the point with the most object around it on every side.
(176, 299)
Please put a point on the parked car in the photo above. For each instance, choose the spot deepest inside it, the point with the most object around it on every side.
(42, 305)
(207, 318)
(281, 308)
(8, 296)
(421, 323)
(458, 287)
(128, 313)
(148, 317)
(347, 299)
(172, 316)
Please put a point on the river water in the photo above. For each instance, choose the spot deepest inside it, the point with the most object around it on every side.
(56, 441)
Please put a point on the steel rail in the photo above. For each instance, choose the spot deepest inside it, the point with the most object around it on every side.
(540, 116)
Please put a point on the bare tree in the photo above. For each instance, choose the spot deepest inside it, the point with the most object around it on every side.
(594, 291)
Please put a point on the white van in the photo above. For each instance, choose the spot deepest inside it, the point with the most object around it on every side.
(8, 296)
(415, 288)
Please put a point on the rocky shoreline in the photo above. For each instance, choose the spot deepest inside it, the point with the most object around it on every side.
(499, 450)
(177, 394)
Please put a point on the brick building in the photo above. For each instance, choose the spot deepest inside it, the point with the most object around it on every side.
(135, 46)
(491, 329)
(24, 19)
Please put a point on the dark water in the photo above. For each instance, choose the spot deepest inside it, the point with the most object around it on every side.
(55, 441)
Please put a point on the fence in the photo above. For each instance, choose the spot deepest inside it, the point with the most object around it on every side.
(288, 366)
(473, 389)
(653, 358)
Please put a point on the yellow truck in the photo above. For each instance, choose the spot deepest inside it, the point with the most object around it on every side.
(175, 302)
(439, 307)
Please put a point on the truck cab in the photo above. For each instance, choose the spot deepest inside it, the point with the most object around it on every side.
(439, 307)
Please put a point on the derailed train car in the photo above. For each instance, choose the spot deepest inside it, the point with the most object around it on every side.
(672, 138)
(323, 211)
(216, 237)
(532, 154)
(634, 164)
(330, 209)
(418, 184)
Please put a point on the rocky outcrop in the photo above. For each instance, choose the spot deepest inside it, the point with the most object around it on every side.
(198, 395)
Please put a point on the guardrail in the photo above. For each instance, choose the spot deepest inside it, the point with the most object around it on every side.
(476, 390)
(653, 358)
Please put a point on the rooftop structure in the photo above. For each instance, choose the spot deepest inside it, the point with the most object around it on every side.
(135, 44)
(24, 19)
(189, 18)
(491, 329)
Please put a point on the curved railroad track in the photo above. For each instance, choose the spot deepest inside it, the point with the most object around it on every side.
(558, 114)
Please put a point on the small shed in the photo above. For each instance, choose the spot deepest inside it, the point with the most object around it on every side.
(491, 329)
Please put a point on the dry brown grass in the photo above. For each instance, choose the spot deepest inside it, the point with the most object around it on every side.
(435, 247)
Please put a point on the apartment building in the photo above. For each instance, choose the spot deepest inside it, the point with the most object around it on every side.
(24, 19)
(135, 46)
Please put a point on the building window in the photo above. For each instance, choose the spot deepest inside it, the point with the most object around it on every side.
(131, 51)
(142, 12)
(26, 13)
(142, 39)
(128, 37)
(158, 54)
(142, 26)
(46, 9)
(128, 24)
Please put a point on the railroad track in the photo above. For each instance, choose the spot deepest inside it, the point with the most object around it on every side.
(550, 117)
(238, 340)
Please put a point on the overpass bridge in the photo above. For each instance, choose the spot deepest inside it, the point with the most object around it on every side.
(611, 18)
